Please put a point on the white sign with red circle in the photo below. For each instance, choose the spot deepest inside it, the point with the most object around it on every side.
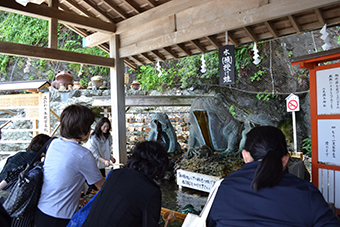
(293, 103)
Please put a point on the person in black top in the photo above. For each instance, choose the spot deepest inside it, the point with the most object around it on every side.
(129, 196)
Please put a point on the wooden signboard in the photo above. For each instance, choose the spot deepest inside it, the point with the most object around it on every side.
(325, 121)
(36, 106)
(226, 61)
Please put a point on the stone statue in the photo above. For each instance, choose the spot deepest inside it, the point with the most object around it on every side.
(62, 77)
(97, 82)
(212, 127)
(163, 132)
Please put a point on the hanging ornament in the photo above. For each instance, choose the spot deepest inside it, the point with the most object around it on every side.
(158, 68)
(256, 55)
(203, 69)
(325, 38)
(28, 64)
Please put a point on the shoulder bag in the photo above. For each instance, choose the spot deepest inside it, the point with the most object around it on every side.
(193, 220)
(24, 196)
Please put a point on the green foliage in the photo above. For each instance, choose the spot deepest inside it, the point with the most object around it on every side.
(265, 96)
(243, 56)
(290, 54)
(189, 70)
(232, 110)
(257, 76)
(307, 145)
(32, 31)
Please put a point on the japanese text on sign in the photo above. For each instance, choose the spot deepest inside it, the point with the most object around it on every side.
(196, 181)
(328, 91)
(328, 134)
(227, 64)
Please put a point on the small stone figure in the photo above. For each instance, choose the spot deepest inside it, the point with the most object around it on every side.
(97, 82)
(135, 85)
(77, 85)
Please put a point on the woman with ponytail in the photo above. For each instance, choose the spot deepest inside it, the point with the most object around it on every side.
(262, 194)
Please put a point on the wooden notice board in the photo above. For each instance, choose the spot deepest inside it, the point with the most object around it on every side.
(325, 121)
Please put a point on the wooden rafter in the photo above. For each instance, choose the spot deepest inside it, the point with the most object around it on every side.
(198, 46)
(169, 51)
(157, 54)
(213, 41)
(295, 24)
(271, 29)
(53, 54)
(133, 6)
(152, 3)
(233, 39)
(77, 6)
(250, 34)
(185, 50)
(147, 57)
(135, 58)
(45, 12)
(116, 9)
(130, 63)
(320, 17)
(99, 10)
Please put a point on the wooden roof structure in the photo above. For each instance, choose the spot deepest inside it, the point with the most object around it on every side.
(158, 30)
(138, 32)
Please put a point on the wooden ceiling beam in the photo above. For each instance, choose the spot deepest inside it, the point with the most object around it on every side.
(147, 57)
(117, 10)
(250, 33)
(213, 41)
(185, 50)
(100, 11)
(133, 6)
(169, 51)
(197, 45)
(295, 25)
(190, 21)
(22, 50)
(271, 29)
(320, 17)
(45, 12)
(157, 54)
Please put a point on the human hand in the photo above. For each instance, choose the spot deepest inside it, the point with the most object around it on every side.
(107, 163)
(82, 202)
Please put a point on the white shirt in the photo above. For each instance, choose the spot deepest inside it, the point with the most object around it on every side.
(67, 166)
(100, 148)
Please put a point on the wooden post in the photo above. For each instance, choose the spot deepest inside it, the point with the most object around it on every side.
(118, 103)
(53, 27)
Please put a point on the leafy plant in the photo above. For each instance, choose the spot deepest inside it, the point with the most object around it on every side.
(307, 145)
(290, 53)
(232, 111)
(265, 96)
(257, 76)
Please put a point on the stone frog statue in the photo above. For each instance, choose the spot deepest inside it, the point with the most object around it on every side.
(213, 128)
(163, 132)
(64, 79)
(97, 82)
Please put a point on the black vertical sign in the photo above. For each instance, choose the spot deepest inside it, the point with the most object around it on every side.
(226, 59)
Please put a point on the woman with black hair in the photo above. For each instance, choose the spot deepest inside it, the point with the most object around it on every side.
(129, 196)
(262, 194)
(100, 143)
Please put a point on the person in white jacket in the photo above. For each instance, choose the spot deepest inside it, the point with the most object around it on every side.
(100, 143)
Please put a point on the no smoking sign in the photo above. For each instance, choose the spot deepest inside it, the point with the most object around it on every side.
(292, 102)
